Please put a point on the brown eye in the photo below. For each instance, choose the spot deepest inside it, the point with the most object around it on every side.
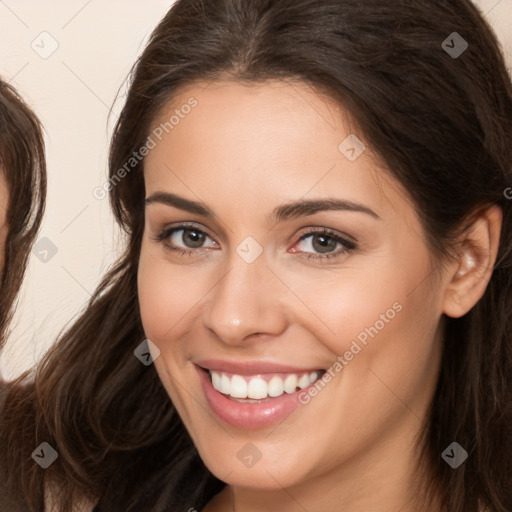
(187, 239)
(324, 244)
(192, 238)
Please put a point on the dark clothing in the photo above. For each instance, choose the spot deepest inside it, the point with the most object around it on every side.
(186, 485)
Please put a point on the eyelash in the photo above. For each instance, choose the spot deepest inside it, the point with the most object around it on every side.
(348, 245)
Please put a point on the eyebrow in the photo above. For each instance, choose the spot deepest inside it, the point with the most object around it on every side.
(282, 213)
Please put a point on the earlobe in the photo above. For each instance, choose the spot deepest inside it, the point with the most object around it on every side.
(470, 273)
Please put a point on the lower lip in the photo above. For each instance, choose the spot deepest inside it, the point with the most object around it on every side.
(248, 415)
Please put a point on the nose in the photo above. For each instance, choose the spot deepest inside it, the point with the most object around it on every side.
(248, 302)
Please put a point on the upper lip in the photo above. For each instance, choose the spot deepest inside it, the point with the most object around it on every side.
(251, 367)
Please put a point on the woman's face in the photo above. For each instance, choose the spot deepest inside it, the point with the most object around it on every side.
(299, 256)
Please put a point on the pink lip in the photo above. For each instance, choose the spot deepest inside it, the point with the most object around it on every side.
(250, 367)
(248, 416)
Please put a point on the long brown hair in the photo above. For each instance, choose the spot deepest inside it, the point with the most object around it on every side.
(443, 125)
(22, 163)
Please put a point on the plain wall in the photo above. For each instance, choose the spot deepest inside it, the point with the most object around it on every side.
(72, 91)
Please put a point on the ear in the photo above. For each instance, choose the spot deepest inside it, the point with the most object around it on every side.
(469, 275)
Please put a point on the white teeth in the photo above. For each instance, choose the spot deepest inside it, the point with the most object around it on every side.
(303, 381)
(238, 387)
(290, 384)
(225, 384)
(216, 379)
(275, 387)
(257, 388)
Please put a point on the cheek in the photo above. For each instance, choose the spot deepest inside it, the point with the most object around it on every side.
(385, 345)
(167, 293)
(381, 318)
(340, 306)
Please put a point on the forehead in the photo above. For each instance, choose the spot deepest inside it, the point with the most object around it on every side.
(266, 142)
(253, 121)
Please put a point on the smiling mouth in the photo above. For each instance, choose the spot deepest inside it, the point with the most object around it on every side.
(263, 387)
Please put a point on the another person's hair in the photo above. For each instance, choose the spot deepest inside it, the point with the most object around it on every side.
(443, 126)
(22, 164)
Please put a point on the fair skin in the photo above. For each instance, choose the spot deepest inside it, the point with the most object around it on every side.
(4, 228)
(243, 152)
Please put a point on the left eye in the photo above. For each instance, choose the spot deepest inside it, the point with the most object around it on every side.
(324, 243)
(185, 239)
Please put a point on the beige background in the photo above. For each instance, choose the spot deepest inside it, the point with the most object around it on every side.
(72, 90)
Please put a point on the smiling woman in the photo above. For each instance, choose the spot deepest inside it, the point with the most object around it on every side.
(327, 222)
